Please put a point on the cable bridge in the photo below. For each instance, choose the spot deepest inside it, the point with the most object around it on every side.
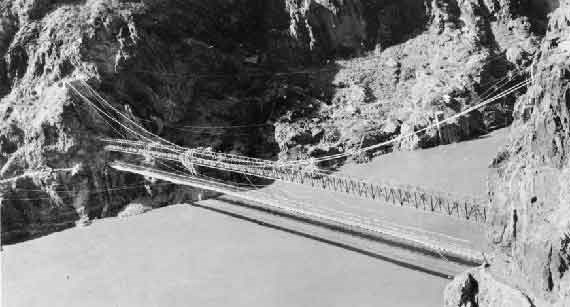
(463, 207)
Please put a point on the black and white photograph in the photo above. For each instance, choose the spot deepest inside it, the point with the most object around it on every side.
(285, 153)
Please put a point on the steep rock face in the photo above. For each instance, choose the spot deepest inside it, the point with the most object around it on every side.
(391, 22)
(530, 193)
(179, 67)
(448, 56)
(328, 27)
(7, 31)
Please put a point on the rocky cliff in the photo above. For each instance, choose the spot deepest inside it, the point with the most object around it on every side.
(529, 238)
(418, 61)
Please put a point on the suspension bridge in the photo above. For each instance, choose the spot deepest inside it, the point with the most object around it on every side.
(464, 207)
(164, 160)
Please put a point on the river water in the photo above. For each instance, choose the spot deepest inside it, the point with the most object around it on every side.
(460, 168)
(187, 256)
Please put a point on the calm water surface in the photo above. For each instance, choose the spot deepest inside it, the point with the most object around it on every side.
(186, 256)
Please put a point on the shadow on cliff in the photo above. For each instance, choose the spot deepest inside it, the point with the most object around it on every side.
(390, 22)
(286, 97)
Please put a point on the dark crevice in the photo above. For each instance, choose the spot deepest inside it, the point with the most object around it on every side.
(390, 22)
(564, 256)
(537, 11)
(515, 220)
(530, 302)
(549, 281)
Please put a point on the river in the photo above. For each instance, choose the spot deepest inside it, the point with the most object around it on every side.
(187, 256)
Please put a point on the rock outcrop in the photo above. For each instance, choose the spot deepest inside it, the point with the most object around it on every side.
(479, 288)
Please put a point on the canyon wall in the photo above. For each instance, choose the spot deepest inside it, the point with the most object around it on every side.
(529, 236)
